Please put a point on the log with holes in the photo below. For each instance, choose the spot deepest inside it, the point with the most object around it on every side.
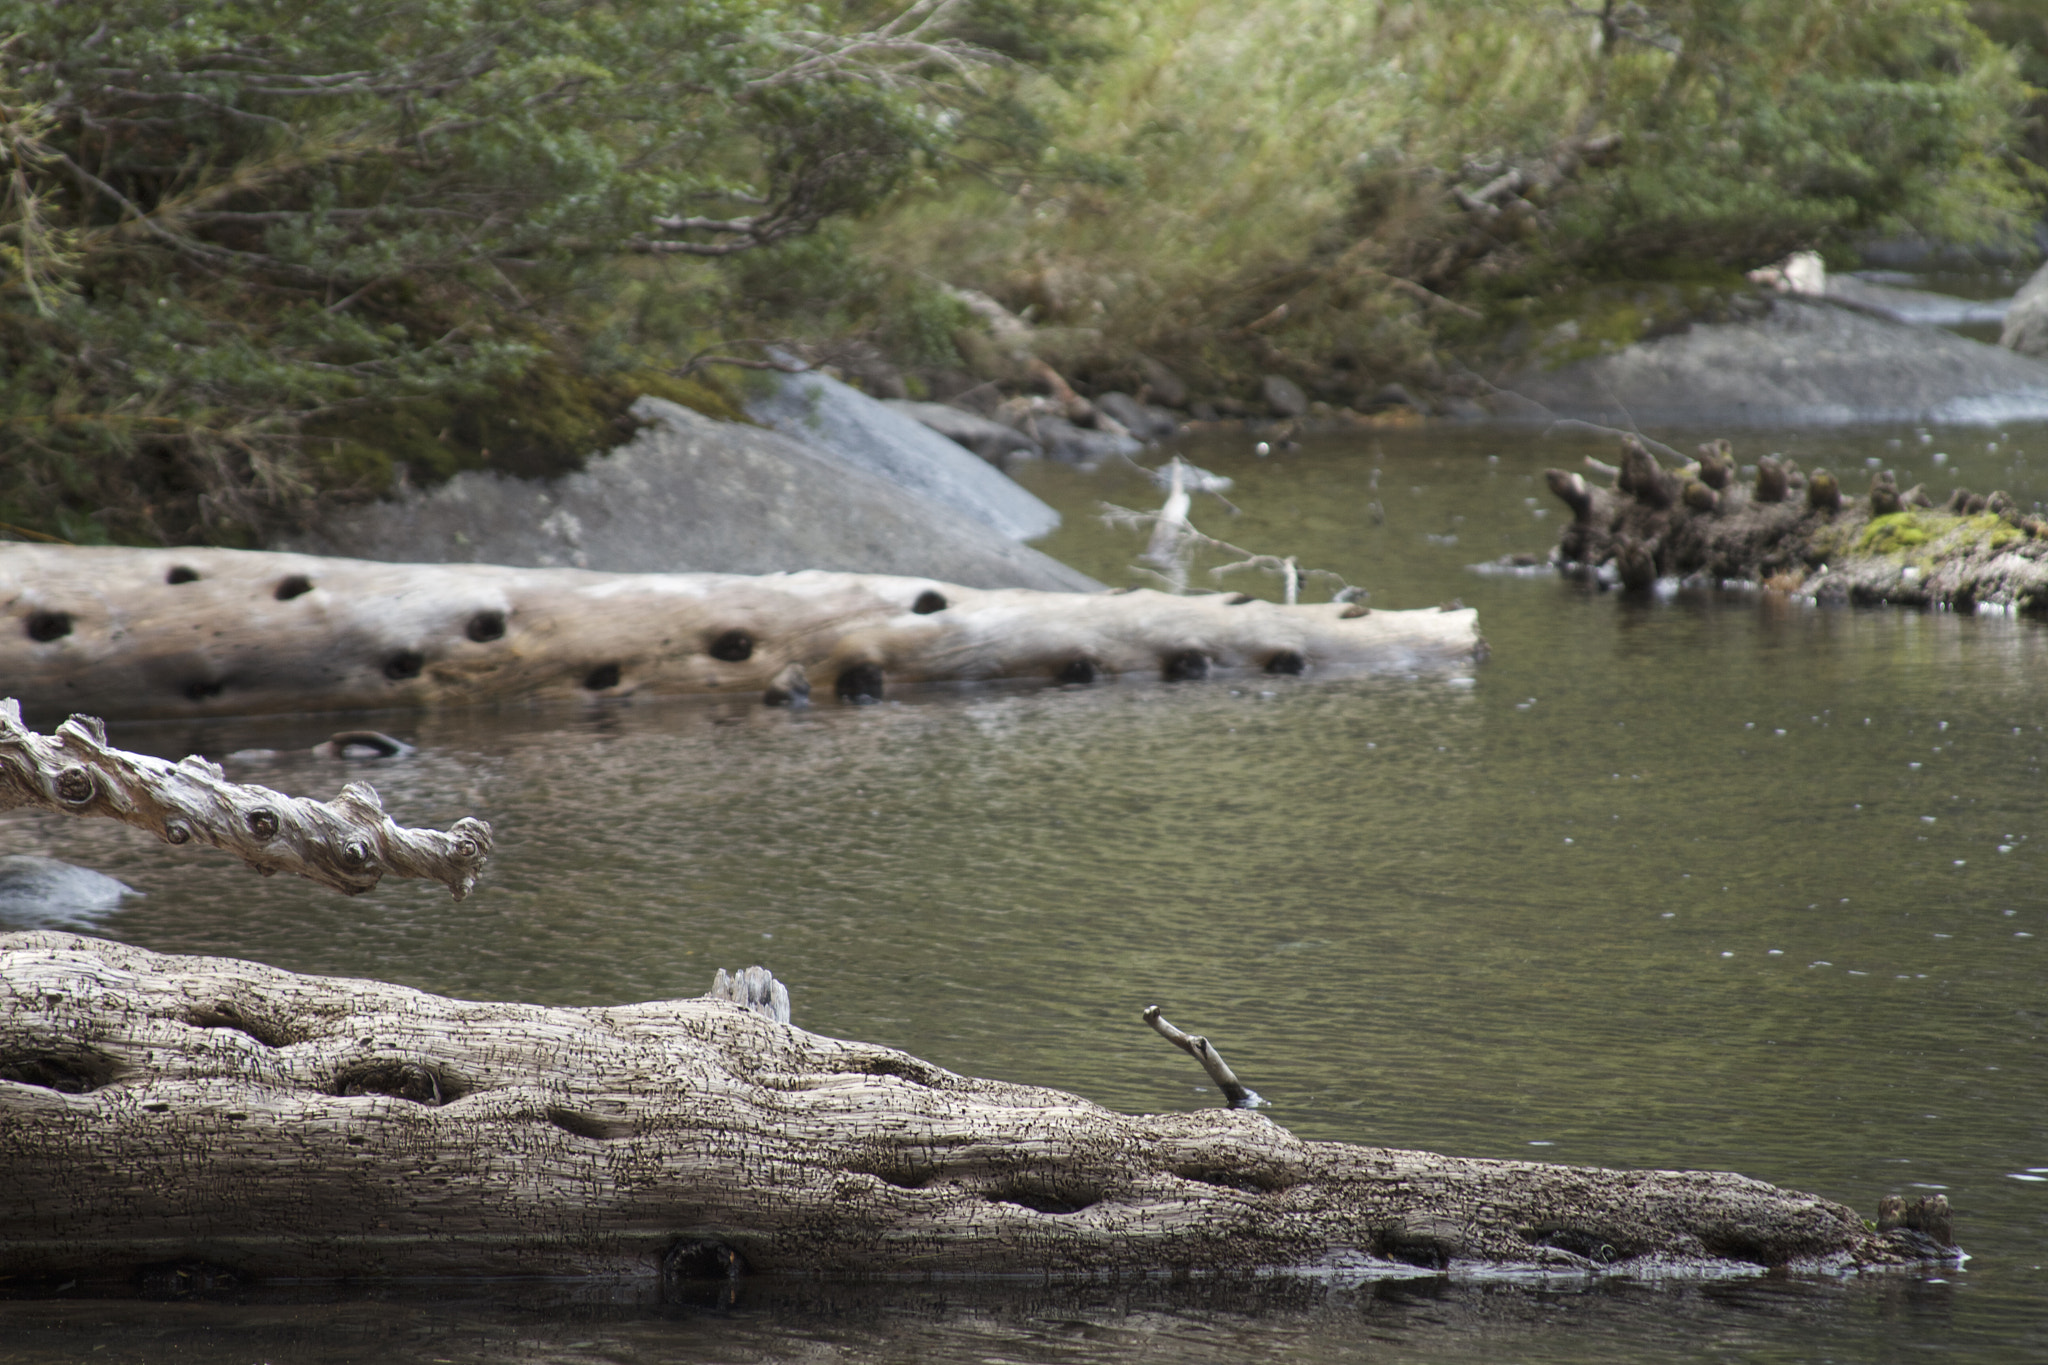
(237, 1120)
(140, 633)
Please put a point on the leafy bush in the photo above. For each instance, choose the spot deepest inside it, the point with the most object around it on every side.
(1300, 175)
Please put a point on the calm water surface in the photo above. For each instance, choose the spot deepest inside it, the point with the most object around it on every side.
(1712, 880)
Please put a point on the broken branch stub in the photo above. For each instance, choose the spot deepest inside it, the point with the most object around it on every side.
(348, 844)
(157, 1108)
(1236, 1093)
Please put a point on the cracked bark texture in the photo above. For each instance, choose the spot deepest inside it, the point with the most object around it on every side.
(348, 844)
(161, 1109)
(139, 633)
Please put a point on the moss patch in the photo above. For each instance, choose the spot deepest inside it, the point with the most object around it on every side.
(543, 425)
(1901, 531)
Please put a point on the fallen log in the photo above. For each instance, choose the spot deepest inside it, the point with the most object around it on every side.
(136, 633)
(1800, 533)
(232, 1118)
(348, 844)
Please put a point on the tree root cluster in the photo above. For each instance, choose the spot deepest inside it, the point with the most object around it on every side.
(204, 1112)
(1779, 527)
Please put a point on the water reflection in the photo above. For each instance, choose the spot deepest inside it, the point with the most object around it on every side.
(1757, 1320)
(1716, 880)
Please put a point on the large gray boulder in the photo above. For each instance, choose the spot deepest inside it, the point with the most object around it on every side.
(693, 493)
(820, 411)
(2026, 318)
(991, 440)
(1803, 362)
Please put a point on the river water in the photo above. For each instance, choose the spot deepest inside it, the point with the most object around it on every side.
(1714, 879)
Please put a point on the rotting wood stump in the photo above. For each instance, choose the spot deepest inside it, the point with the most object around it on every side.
(1799, 532)
(135, 633)
(239, 1120)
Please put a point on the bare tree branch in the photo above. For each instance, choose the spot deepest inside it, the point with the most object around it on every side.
(348, 844)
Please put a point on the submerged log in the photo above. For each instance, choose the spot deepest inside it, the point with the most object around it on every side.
(348, 844)
(1801, 533)
(182, 1110)
(192, 632)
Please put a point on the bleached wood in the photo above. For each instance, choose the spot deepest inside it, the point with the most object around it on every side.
(108, 631)
(162, 1109)
(348, 844)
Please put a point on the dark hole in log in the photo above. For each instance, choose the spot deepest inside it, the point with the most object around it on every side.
(227, 1014)
(185, 1280)
(1748, 1244)
(399, 1080)
(1416, 1249)
(1250, 1182)
(1286, 661)
(45, 626)
(293, 585)
(1042, 1198)
(1578, 1242)
(902, 1068)
(262, 822)
(1238, 599)
(203, 689)
(181, 574)
(733, 647)
(75, 785)
(601, 678)
(928, 602)
(1081, 670)
(587, 1125)
(860, 684)
(486, 626)
(407, 663)
(76, 1072)
(1185, 665)
(702, 1260)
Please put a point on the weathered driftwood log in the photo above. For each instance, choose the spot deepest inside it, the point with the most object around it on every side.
(139, 633)
(1801, 533)
(348, 844)
(162, 1109)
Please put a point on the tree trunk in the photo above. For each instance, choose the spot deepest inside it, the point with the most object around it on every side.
(161, 1110)
(1796, 532)
(193, 632)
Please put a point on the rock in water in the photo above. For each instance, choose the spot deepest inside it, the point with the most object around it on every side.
(694, 494)
(991, 440)
(2026, 319)
(1143, 420)
(843, 421)
(47, 893)
(1804, 363)
(1283, 396)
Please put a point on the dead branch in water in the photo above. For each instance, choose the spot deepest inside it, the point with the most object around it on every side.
(348, 844)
